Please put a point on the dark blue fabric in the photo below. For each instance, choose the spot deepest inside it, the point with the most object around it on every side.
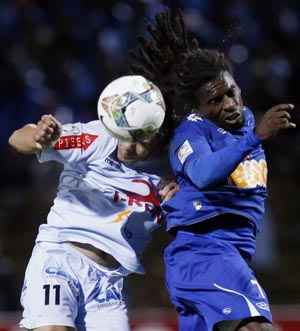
(205, 176)
(208, 282)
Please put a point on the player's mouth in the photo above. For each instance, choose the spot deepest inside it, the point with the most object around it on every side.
(233, 118)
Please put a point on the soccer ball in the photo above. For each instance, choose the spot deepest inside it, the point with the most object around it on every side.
(131, 108)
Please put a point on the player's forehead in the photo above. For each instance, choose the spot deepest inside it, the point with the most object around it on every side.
(216, 87)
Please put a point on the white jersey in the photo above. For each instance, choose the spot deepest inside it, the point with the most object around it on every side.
(100, 201)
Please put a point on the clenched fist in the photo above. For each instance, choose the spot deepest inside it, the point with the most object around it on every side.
(32, 138)
(275, 119)
(47, 131)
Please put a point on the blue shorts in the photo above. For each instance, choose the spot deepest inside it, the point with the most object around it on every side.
(209, 281)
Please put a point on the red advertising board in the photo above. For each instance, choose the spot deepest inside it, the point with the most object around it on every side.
(287, 318)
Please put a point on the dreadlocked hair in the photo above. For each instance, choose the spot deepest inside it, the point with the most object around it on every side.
(176, 63)
(156, 58)
(153, 63)
(198, 66)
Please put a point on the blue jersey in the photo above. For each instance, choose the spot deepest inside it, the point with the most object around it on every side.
(219, 172)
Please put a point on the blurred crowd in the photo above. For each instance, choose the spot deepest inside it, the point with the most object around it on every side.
(56, 56)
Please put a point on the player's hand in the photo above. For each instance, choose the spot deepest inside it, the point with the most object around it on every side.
(168, 190)
(275, 119)
(47, 132)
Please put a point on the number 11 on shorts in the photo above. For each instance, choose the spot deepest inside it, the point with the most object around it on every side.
(56, 289)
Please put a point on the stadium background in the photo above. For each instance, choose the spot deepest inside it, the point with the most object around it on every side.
(56, 56)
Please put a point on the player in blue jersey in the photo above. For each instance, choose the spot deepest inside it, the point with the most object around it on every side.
(219, 162)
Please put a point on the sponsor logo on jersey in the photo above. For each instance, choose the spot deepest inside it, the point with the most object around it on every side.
(184, 151)
(82, 141)
(227, 310)
(122, 216)
(197, 204)
(222, 131)
(71, 128)
(113, 163)
(56, 272)
(250, 174)
(194, 118)
(110, 296)
(263, 305)
(143, 192)
(145, 196)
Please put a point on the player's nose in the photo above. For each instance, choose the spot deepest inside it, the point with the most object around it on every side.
(229, 104)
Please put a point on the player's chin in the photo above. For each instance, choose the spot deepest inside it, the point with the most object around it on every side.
(234, 124)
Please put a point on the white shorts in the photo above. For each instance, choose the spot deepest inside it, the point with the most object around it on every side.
(64, 287)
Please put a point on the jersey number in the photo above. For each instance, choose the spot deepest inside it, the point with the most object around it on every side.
(56, 289)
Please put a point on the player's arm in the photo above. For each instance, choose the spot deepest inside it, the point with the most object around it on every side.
(33, 138)
(205, 167)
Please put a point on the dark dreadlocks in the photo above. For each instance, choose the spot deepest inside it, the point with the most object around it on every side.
(175, 62)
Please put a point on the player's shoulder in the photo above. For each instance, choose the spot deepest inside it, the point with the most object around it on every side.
(77, 127)
(97, 130)
(192, 124)
(90, 136)
(249, 117)
(94, 127)
(190, 127)
(89, 128)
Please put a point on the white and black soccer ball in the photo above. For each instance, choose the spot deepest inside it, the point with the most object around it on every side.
(131, 108)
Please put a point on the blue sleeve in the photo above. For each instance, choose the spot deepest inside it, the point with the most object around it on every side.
(205, 167)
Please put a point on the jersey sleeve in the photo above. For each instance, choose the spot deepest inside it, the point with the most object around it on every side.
(192, 156)
(73, 145)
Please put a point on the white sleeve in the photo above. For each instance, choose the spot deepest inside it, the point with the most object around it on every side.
(72, 145)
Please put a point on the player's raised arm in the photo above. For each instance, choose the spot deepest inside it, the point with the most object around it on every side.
(205, 167)
(32, 138)
(274, 120)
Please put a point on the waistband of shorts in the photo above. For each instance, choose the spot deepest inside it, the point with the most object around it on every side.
(68, 246)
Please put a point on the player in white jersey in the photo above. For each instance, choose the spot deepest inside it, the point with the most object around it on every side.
(96, 230)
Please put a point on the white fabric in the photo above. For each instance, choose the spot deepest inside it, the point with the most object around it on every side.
(100, 201)
(81, 294)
